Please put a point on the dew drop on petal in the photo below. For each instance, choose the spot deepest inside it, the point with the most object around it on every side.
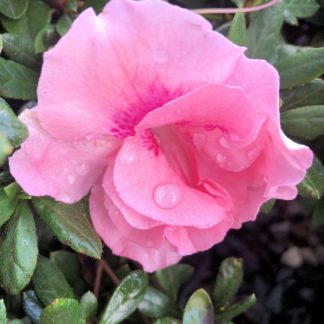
(223, 143)
(220, 158)
(127, 157)
(167, 196)
(83, 169)
(71, 179)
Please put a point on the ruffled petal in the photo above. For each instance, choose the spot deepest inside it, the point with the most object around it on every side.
(64, 170)
(151, 258)
(112, 69)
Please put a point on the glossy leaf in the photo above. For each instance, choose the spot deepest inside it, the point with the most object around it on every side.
(32, 306)
(18, 251)
(263, 32)
(126, 298)
(199, 309)
(7, 207)
(63, 25)
(17, 81)
(308, 94)
(173, 277)
(306, 65)
(228, 281)
(89, 306)
(68, 263)
(313, 184)
(236, 309)
(156, 304)
(294, 9)
(10, 125)
(62, 311)
(13, 8)
(237, 32)
(3, 314)
(45, 39)
(304, 122)
(49, 282)
(21, 50)
(70, 224)
(5, 149)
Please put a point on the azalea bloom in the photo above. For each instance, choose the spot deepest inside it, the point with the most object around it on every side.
(172, 128)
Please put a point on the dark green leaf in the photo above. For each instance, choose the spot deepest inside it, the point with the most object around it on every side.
(97, 5)
(64, 311)
(7, 207)
(70, 224)
(45, 39)
(12, 190)
(126, 297)
(17, 81)
(237, 32)
(32, 306)
(313, 184)
(21, 50)
(156, 304)
(89, 305)
(306, 65)
(304, 122)
(167, 320)
(37, 16)
(68, 263)
(10, 125)
(5, 149)
(3, 315)
(264, 31)
(318, 214)
(18, 251)
(267, 206)
(199, 309)
(228, 281)
(173, 277)
(63, 24)
(308, 94)
(49, 282)
(13, 8)
(235, 310)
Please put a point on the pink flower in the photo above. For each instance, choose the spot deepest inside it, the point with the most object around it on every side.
(173, 129)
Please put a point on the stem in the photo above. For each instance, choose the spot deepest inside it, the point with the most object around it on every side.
(109, 271)
(211, 11)
(96, 288)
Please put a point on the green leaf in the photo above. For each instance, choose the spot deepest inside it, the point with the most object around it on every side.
(167, 320)
(49, 282)
(228, 281)
(70, 224)
(318, 214)
(173, 277)
(45, 39)
(7, 207)
(21, 50)
(308, 94)
(13, 8)
(68, 263)
(32, 306)
(89, 306)
(10, 125)
(267, 206)
(129, 293)
(237, 32)
(18, 251)
(313, 184)
(235, 310)
(5, 149)
(97, 5)
(156, 304)
(199, 309)
(306, 65)
(12, 190)
(264, 32)
(294, 9)
(63, 25)
(3, 314)
(17, 81)
(65, 311)
(304, 122)
(37, 16)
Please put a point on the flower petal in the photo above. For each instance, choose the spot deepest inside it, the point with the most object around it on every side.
(64, 170)
(150, 258)
(112, 69)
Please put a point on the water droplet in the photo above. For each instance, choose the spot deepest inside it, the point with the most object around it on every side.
(71, 179)
(65, 198)
(223, 143)
(83, 168)
(127, 157)
(220, 158)
(167, 196)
